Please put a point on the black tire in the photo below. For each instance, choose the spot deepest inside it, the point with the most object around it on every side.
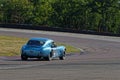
(49, 57)
(24, 58)
(63, 57)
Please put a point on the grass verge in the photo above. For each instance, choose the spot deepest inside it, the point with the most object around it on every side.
(10, 46)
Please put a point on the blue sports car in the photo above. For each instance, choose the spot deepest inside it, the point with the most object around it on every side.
(42, 48)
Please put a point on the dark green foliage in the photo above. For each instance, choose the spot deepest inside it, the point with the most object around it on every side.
(92, 15)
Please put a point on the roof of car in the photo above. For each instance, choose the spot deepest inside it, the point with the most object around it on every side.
(41, 39)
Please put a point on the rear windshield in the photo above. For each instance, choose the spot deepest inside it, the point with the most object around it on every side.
(35, 42)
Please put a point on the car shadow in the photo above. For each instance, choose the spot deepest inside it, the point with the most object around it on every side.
(29, 59)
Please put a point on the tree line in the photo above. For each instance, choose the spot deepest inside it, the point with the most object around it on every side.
(87, 15)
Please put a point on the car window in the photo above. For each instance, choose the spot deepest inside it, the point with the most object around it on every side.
(35, 42)
(53, 45)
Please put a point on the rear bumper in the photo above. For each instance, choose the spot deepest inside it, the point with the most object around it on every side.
(33, 54)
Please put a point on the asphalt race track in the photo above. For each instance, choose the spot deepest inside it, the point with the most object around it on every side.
(100, 59)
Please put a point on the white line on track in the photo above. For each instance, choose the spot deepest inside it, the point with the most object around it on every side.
(17, 66)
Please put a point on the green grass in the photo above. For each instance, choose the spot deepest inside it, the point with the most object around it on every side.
(70, 49)
(10, 46)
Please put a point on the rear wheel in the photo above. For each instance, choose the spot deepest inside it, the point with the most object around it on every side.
(63, 56)
(23, 57)
(49, 57)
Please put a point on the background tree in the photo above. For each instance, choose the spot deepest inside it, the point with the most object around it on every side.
(106, 10)
(16, 11)
(70, 13)
(87, 15)
(42, 11)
